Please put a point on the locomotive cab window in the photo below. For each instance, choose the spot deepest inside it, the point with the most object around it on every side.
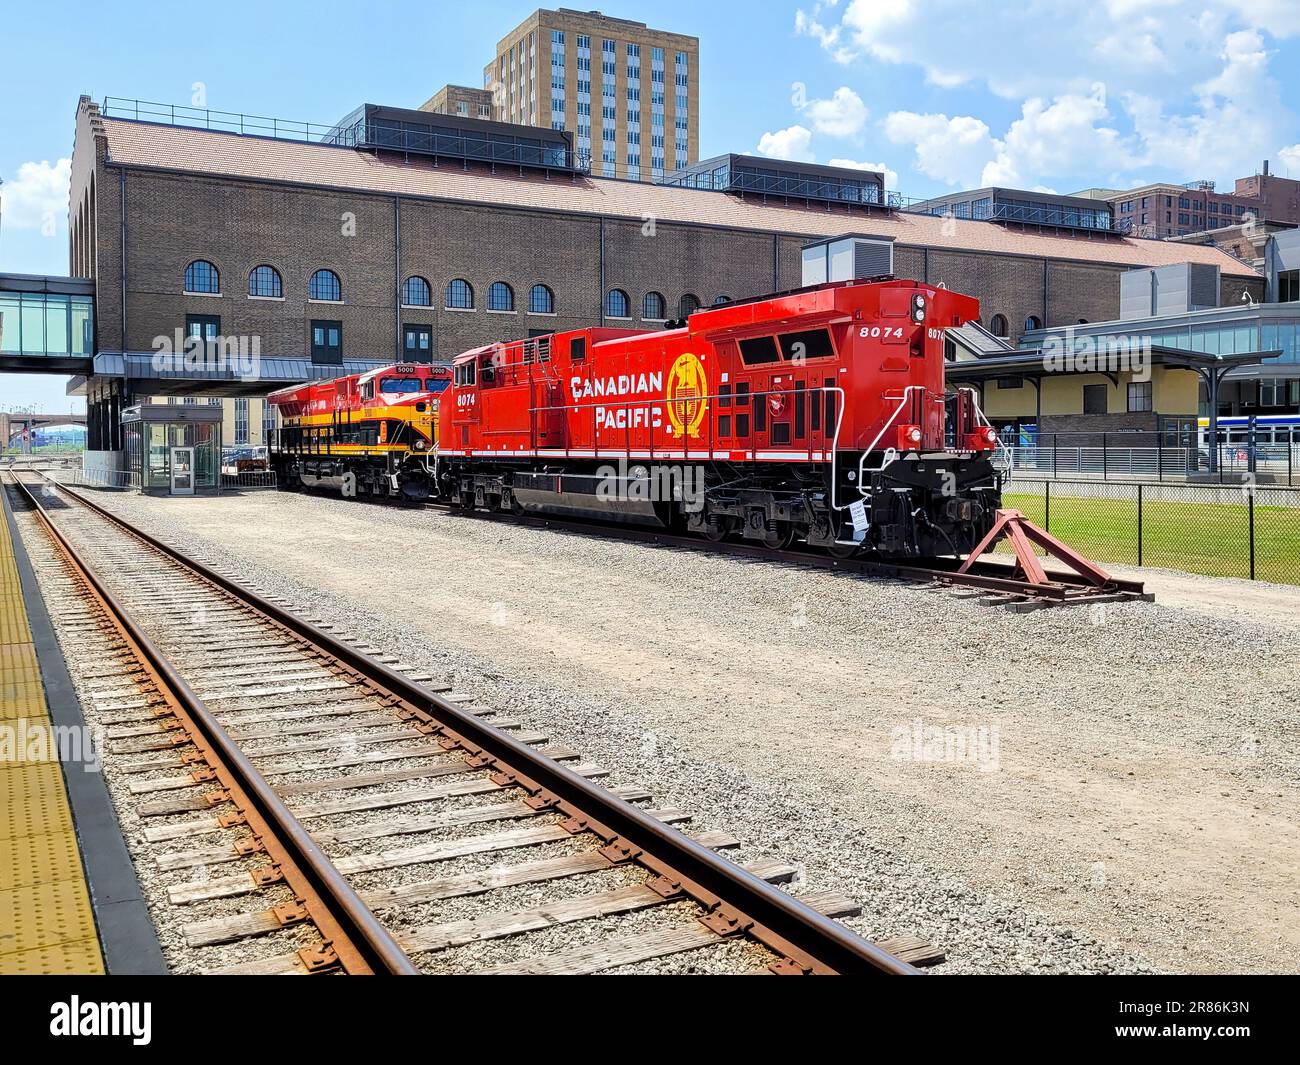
(465, 372)
(399, 385)
(809, 344)
(757, 350)
(487, 371)
(436, 385)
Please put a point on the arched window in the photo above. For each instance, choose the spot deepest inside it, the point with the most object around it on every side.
(202, 276)
(1082, 321)
(325, 285)
(265, 281)
(718, 301)
(416, 292)
(654, 307)
(999, 325)
(460, 295)
(688, 305)
(541, 300)
(1032, 322)
(616, 304)
(501, 297)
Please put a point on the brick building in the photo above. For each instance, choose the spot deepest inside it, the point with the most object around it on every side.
(629, 93)
(1279, 196)
(332, 256)
(460, 100)
(1163, 209)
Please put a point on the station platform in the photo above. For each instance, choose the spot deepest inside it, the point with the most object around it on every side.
(69, 899)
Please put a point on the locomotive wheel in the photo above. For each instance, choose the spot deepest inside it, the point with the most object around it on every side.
(716, 533)
(843, 550)
(780, 538)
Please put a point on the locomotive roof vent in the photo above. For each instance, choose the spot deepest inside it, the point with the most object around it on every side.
(847, 258)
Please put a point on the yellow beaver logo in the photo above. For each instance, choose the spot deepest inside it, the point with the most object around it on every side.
(687, 393)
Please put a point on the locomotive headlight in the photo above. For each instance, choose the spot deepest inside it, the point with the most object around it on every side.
(918, 308)
(914, 434)
(419, 445)
(990, 435)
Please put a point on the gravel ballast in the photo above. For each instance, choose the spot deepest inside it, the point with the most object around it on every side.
(1102, 789)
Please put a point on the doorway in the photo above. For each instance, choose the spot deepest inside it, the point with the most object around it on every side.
(417, 343)
(182, 471)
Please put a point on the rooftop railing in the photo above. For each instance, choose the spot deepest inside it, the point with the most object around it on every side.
(221, 121)
(356, 131)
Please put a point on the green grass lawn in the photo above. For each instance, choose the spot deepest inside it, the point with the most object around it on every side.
(1209, 538)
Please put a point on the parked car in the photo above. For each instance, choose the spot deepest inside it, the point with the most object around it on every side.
(237, 460)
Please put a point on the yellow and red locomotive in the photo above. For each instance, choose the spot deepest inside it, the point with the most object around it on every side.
(818, 415)
(368, 434)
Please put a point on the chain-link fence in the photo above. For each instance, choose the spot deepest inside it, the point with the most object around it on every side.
(1249, 531)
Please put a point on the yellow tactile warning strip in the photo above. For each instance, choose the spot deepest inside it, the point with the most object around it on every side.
(46, 921)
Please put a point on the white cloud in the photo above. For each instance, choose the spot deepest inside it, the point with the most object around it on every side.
(1239, 120)
(793, 143)
(843, 115)
(950, 150)
(1290, 158)
(1053, 47)
(891, 176)
(38, 197)
(1192, 76)
(1059, 139)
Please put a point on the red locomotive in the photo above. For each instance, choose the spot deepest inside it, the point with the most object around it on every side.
(819, 415)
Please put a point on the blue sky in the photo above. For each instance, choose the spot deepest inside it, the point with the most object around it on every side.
(1043, 94)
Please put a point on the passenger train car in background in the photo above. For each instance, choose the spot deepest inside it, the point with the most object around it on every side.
(370, 434)
(819, 415)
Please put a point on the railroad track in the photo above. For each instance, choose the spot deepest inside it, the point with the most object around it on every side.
(989, 583)
(301, 805)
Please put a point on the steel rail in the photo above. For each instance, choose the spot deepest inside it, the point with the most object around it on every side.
(361, 943)
(736, 902)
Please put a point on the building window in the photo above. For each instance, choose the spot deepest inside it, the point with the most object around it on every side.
(1033, 322)
(460, 295)
(654, 307)
(616, 304)
(541, 300)
(202, 276)
(688, 305)
(718, 301)
(1288, 286)
(416, 292)
(241, 421)
(501, 297)
(327, 343)
(265, 281)
(324, 285)
(268, 423)
(1095, 399)
(998, 326)
(1139, 396)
